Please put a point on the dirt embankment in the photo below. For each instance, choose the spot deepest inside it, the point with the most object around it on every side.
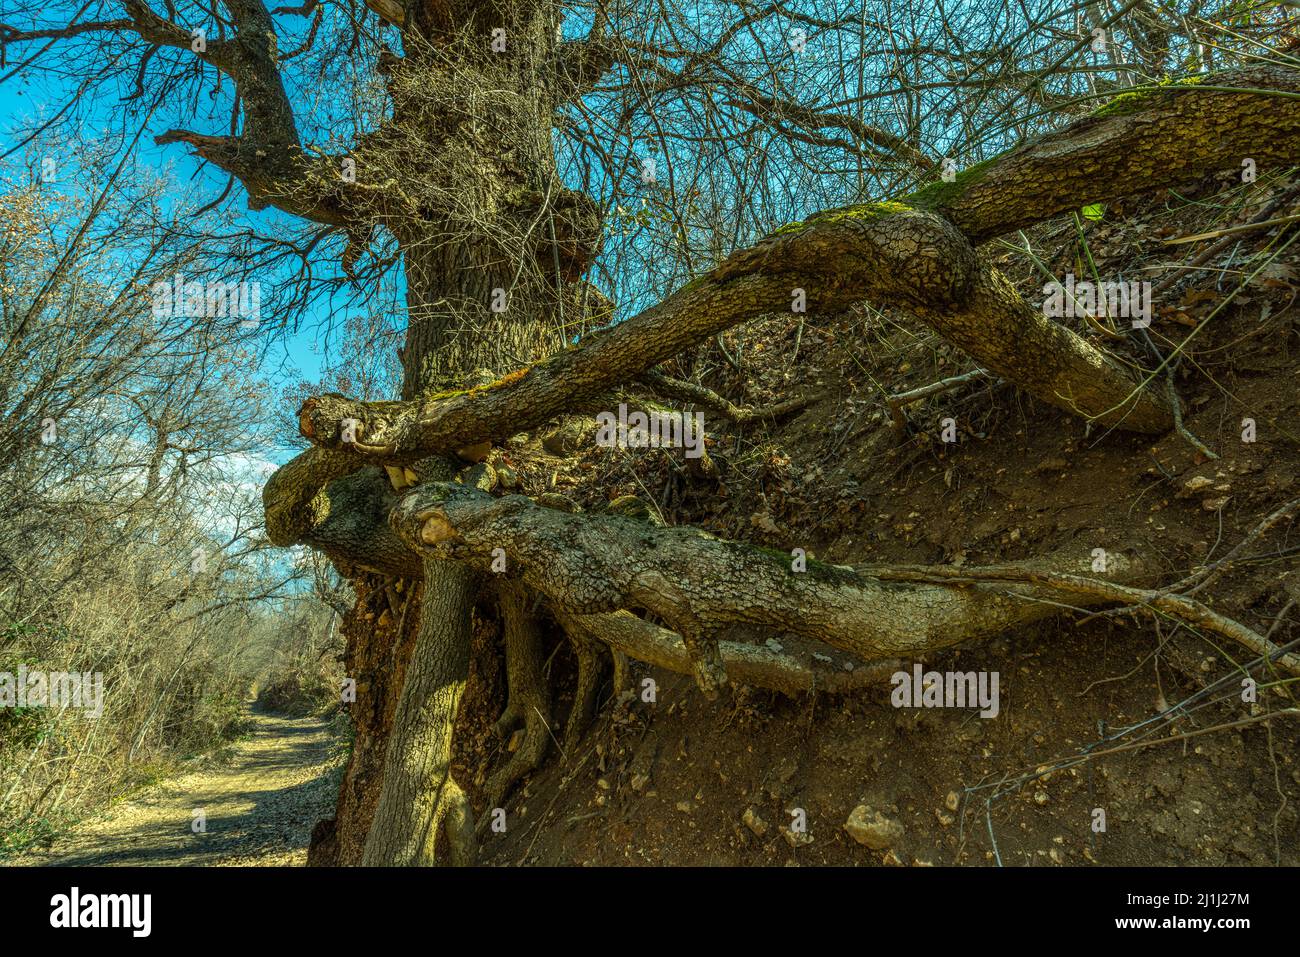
(1121, 739)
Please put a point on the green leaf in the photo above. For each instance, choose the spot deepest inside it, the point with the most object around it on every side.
(1094, 212)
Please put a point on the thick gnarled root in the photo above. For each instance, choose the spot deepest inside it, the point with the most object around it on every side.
(694, 582)
(528, 698)
(591, 669)
(622, 672)
(790, 671)
(419, 801)
(458, 826)
(706, 661)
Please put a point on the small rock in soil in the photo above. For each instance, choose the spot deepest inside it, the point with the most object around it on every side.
(873, 829)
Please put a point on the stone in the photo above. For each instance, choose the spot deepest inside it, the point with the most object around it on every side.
(1195, 484)
(872, 829)
(796, 838)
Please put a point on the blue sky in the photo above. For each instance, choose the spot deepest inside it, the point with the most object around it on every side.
(296, 354)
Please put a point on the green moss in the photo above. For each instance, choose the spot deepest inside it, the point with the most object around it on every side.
(821, 571)
(777, 556)
(434, 396)
(1133, 100)
(833, 574)
(859, 211)
(868, 211)
(508, 379)
(940, 194)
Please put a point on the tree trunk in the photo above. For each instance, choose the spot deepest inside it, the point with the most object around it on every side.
(467, 313)
(379, 643)
(485, 276)
(452, 333)
(419, 798)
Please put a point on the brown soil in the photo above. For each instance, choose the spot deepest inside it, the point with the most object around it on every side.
(675, 781)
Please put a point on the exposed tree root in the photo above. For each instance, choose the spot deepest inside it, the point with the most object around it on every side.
(746, 664)
(329, 499)
(1162, 601)
(528, 697)
(897, 401)
(1044, 358)
(591, 655)
(589, 564)
(623, 669)
(917, 254)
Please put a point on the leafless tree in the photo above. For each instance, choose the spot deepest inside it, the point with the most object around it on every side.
(706, 164)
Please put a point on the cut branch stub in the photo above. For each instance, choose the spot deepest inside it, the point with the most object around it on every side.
(323, 499)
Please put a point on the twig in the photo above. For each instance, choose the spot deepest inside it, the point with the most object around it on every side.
(1198, 580)
(710, 400)
(1176, 406)
(1231, 230)
(1208, 254)
(900, 399)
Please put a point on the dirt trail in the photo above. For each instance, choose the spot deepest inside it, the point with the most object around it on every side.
(260, 806)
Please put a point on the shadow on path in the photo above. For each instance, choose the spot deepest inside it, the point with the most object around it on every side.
(258, 808)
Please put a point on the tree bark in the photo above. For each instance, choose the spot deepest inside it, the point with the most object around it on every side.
(592, 564)
(486, 263)
(420, 801)
(917, 254)
(529, 699)
(379, 641)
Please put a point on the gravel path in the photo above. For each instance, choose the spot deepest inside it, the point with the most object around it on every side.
(260, 806)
